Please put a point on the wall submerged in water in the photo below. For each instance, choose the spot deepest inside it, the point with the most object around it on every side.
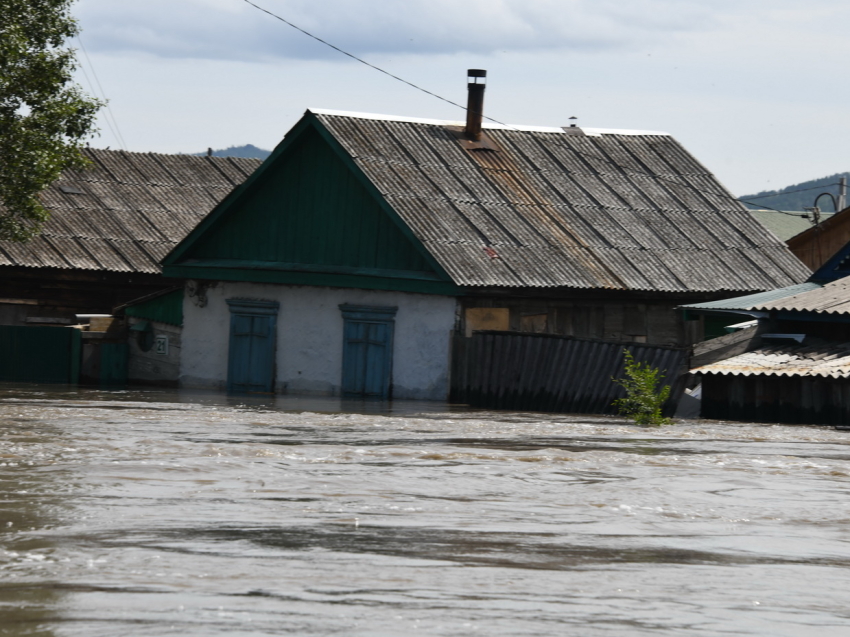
(779, 399)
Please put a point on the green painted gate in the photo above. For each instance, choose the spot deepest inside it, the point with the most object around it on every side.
(34, 354)
(113, 364)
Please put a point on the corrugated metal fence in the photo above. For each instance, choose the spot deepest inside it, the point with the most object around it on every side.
(541, 372)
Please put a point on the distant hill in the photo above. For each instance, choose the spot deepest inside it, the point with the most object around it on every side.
(248, 150)
(785, 200)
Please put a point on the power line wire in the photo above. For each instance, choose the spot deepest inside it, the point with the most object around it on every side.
(93, 90)
(448, 101)
(354, 57)
(116, 132)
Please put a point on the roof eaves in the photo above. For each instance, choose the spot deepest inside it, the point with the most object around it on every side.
(147, 297)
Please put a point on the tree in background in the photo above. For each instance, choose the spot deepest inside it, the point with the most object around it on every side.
(644, 398)
(44, 116)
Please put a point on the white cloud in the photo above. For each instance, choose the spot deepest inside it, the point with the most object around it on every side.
(753, 87)
(231, 29)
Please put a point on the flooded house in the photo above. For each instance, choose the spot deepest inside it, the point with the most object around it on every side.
(110, 226)
(791, 362)
(347, 261)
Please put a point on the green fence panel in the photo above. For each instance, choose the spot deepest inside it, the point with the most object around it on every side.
(34, 354)
(113, 364)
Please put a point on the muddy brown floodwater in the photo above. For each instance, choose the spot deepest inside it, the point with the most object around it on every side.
(156, 513)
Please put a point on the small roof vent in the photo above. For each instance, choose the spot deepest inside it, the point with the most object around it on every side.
(70, 190)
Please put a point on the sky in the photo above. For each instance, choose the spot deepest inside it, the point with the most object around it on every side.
(754, 89)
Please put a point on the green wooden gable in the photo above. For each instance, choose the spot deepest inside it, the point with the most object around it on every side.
(164, 308)
(308, 216)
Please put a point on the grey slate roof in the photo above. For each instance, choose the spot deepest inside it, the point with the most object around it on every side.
(813, 358)
(609, 210)
(134, 208)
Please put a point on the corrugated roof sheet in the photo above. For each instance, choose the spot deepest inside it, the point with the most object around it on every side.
(812, 358)
(134, 209)
(617, 210)
(829, 298)
(751, 302)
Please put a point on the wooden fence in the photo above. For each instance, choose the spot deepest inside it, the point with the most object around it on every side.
(541, 372)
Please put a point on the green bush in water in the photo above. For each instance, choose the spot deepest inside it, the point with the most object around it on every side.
(644, 399)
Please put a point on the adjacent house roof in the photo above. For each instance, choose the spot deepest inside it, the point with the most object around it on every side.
(818, 244)
(787, 225)
(814, 358)
(542, 207)
(832, 298)
(126, 211)
(822, 294)
(752, 302)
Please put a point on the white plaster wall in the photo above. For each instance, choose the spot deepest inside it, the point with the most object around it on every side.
(310, 338)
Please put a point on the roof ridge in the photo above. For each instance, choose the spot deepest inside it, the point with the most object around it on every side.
(593, 132)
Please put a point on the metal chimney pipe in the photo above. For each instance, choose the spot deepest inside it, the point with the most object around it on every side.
(475, 103)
